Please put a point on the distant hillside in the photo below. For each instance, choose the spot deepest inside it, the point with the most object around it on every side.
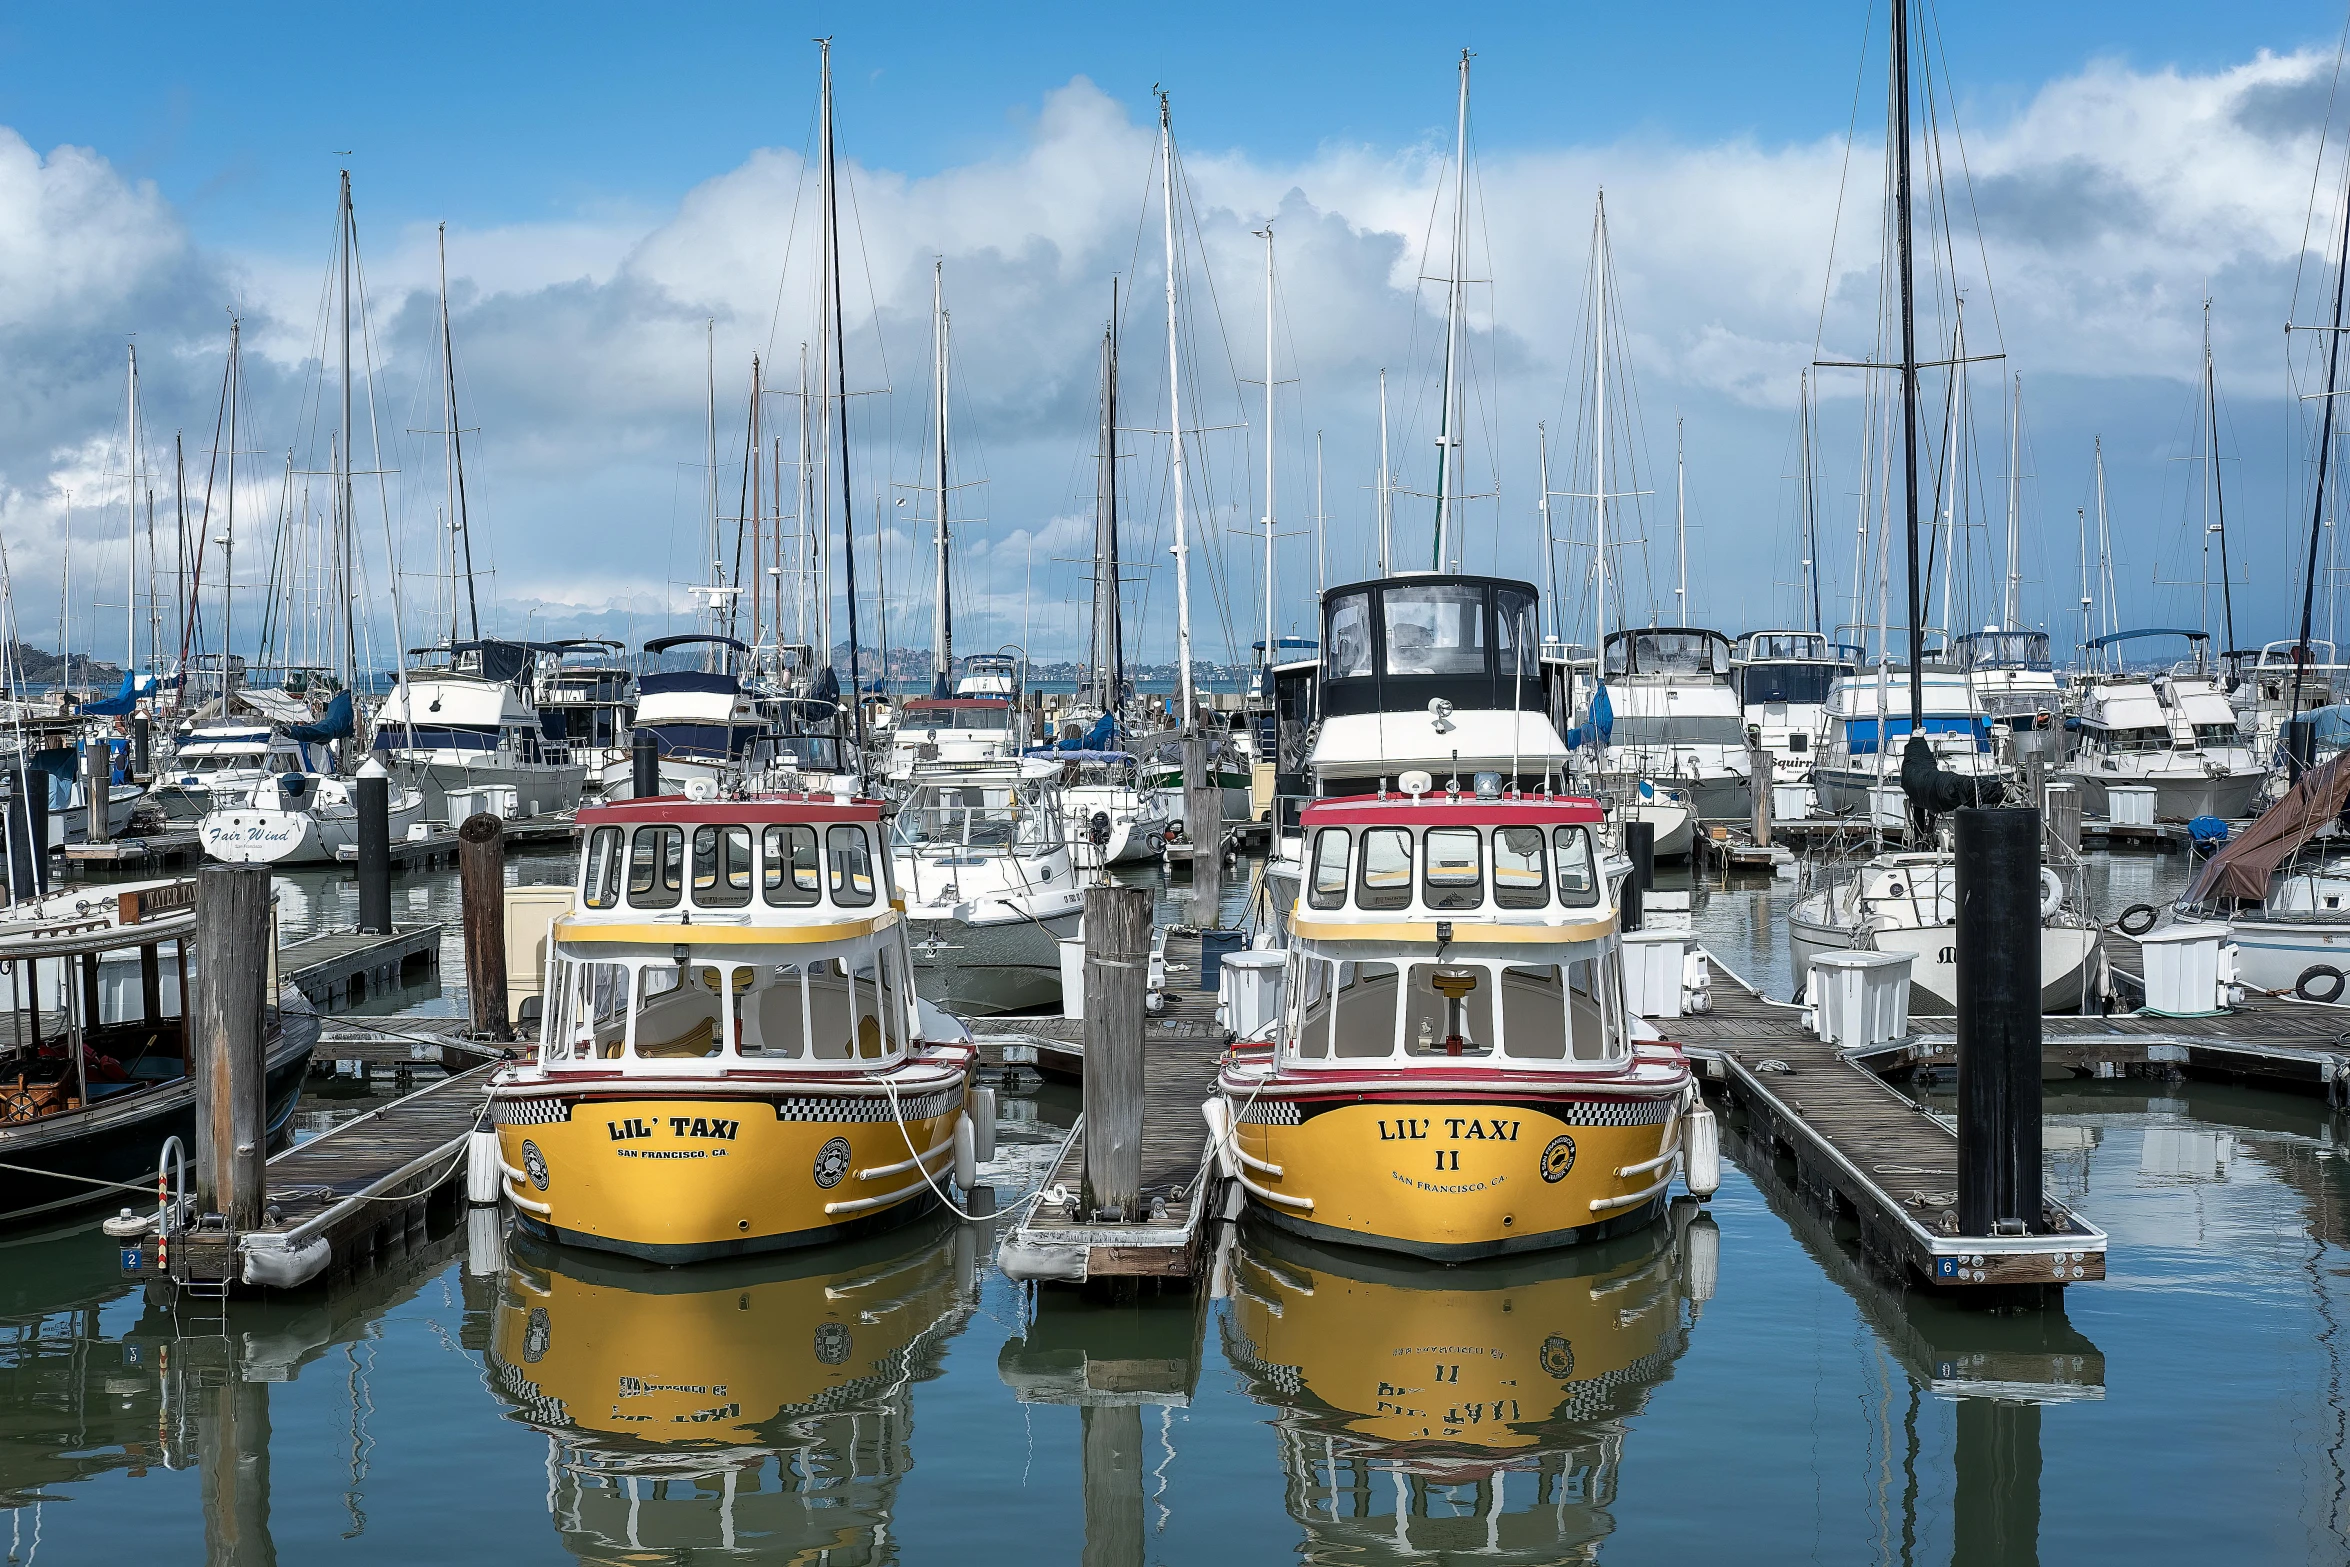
(38, 667)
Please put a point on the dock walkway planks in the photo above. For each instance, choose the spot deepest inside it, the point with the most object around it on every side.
(342, 968)
(1862, 1148)
(1181, 1049)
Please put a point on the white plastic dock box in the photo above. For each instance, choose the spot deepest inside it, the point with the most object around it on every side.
(1252, 992)
(1073, 978)
(2129, 805)
(1791, 802)
(1652, 971)
(2189, 969)
(1860, 998)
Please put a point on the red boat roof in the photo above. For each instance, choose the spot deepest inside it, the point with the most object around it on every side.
(757, 810)
(1429, 810)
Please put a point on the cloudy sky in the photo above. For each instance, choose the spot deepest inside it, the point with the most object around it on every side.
(618, 197)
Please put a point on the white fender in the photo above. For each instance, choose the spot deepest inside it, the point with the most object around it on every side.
(483, 1168)
(2051, 892)
(966, 1153)
(285, 1267)
(979, 1110)
(1218, 1114)
(1701, 1151)
(485, 1242)
(1703, 1243)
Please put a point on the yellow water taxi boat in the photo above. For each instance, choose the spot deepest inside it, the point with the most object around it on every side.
(733, 1058)
(1453, 1072)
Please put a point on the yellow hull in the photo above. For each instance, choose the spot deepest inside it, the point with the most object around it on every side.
(1458, 1181)
(678, 1179)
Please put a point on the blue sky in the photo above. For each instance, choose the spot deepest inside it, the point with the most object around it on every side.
(602, 173)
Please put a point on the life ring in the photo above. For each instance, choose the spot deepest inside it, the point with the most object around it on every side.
(2051, 893)
(2131, 925)
(2314, 978)
(1157, 842)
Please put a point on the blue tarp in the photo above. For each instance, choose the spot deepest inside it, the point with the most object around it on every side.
(335, 725)
(1600, 726)
(134, 686)
(1860, 734)
(2208, 830)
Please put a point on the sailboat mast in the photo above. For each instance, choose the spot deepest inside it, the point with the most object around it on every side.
(1189, 718)
(130, 534)
(228, 532)
(2104, 548)
(1386, 491)
(344, 586)
(1550, 566)
(1448, 440)
(2217, 521)
(1909, 360)
(1809, 500)
(1267, 234)
(1599, 420)
(2015, 496)
(1680, 525)
(942, 610)
(1955, 418)
(2325, 454)
(453, 456)
(804, 499)
(710, 460)
(1321, 526)
(840, 369)
(1108, 657)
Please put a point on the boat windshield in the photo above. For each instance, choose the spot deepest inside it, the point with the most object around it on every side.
(973, 816)
(1438, 629)
(1348, 1012)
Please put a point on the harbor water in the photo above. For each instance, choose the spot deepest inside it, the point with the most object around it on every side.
(1735, 1384)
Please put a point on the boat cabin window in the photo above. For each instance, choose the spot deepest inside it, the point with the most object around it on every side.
(1521, 876)
(1329, 887)
(1578, 879)
(2216, 734)
(1349, 636)
(589, 1018)
(722, 867)
(599, 884)
(973, 816)
(1455, 874)
(1385, 879)
(853, 1010)
(1437, 629)
(1566, 1013)
(656, 867)
(788, 877)
(851, 858)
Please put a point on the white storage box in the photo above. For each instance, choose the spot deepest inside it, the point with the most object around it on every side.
(2129, 805)
(1073, 977)
(2188, 969)
(1860, 998)
(1790, 802)
(1652, 971)
(1252, 992)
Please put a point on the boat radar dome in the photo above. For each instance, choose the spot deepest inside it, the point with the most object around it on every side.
(1415, 783)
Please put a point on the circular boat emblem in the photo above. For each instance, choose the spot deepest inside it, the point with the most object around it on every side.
(832, 1163)
(1558, 1158)
(1558, 1357)
(537, 1335)
(832, 1343)
(534, 1164)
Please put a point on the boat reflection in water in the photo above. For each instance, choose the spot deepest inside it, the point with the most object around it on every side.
(748, 1409)
(1480, 1409)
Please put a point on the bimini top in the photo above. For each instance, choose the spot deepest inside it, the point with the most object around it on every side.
(769, 868)
(1447, 870)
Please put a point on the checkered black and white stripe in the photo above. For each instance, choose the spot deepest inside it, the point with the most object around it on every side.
(1617, 1112)
(1270, 1112)
(828, 1107)
(529, 1112)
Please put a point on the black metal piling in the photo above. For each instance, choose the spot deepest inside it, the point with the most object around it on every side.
(1998, 854)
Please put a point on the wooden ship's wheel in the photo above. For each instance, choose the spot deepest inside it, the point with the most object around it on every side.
(19, 1103)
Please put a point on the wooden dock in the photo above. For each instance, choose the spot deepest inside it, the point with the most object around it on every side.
(335, 1200)
(1182, 1046)
(1866, 1152)
(343, 968)
(404, 1043)
(166, 849)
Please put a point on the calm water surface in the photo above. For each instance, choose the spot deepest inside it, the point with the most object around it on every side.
(1731, 1386)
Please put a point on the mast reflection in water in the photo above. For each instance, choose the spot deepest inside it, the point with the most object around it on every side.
(1481, 1410)
(748, 1410)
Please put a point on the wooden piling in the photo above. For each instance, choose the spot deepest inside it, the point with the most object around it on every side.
(225, 1047)
(1758, 785)
(372, 794)
(232, 1462)
(1117, 969)
(1203, 824)
(97, 786)
(481, 873)
(1998, 1024)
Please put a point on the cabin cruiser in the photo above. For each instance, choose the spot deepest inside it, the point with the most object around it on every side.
(703, 723)
(460, 726)
(1909, 903)
(748, 1410)
(1398, 1388)
(586, 698)
(1868, 723)
(1452, 1070)
(733, 1058)
(2175, 733)
(2014, 684)
(93, 1078)
(225, 749)
(1678, 719)
(1783, 679)
(995, 675)
(305, 819)
(956, 729)
(990, 888)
